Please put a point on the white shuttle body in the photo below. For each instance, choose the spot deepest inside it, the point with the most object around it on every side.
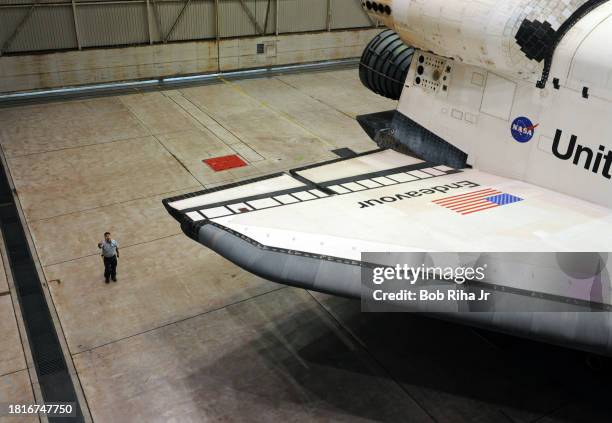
(501, 143)
(523, 88)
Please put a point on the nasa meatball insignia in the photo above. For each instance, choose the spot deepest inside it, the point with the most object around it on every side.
(523, 129)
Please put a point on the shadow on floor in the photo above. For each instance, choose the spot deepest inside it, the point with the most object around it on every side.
(303, 363)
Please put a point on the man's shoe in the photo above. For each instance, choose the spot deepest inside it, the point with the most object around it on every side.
(106, 280)
(114, 279)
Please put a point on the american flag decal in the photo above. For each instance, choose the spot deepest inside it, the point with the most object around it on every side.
(477, 201)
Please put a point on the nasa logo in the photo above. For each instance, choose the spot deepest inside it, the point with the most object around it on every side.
(522, 129)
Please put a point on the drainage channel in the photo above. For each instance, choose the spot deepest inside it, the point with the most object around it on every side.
(54, 379)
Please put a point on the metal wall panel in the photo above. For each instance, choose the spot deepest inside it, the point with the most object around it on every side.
(9, 19)
(48, 28)
(121, 24)
(260, 12)
(107, 23)
(24, 2)
(233, 20)
(302, 15)
(196, 23)
(345, 14)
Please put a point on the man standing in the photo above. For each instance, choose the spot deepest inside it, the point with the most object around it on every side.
(110, 254)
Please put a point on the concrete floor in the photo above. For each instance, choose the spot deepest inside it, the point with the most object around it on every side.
(187, 336)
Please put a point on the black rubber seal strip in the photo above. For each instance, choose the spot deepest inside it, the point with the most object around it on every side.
(565, 27)
(178, 214)
(309, 185)
(381, 173)
(338, 160)
(249, 198)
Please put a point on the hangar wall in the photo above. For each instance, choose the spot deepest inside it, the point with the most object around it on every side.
(22, 73)
(52, 43)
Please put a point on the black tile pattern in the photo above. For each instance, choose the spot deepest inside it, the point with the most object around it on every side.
(345, 153)
(536, 39)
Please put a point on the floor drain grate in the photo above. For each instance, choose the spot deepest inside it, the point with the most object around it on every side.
(55, 382)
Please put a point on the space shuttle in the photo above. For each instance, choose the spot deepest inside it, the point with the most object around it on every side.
(499, 150)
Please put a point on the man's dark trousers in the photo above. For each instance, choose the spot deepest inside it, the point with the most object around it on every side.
(110, 267)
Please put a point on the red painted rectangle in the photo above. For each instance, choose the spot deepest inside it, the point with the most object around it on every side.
(225, 162)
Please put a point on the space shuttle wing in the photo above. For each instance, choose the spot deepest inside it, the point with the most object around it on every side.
(309, 227)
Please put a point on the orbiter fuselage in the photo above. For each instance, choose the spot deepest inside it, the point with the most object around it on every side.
(522, 87)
